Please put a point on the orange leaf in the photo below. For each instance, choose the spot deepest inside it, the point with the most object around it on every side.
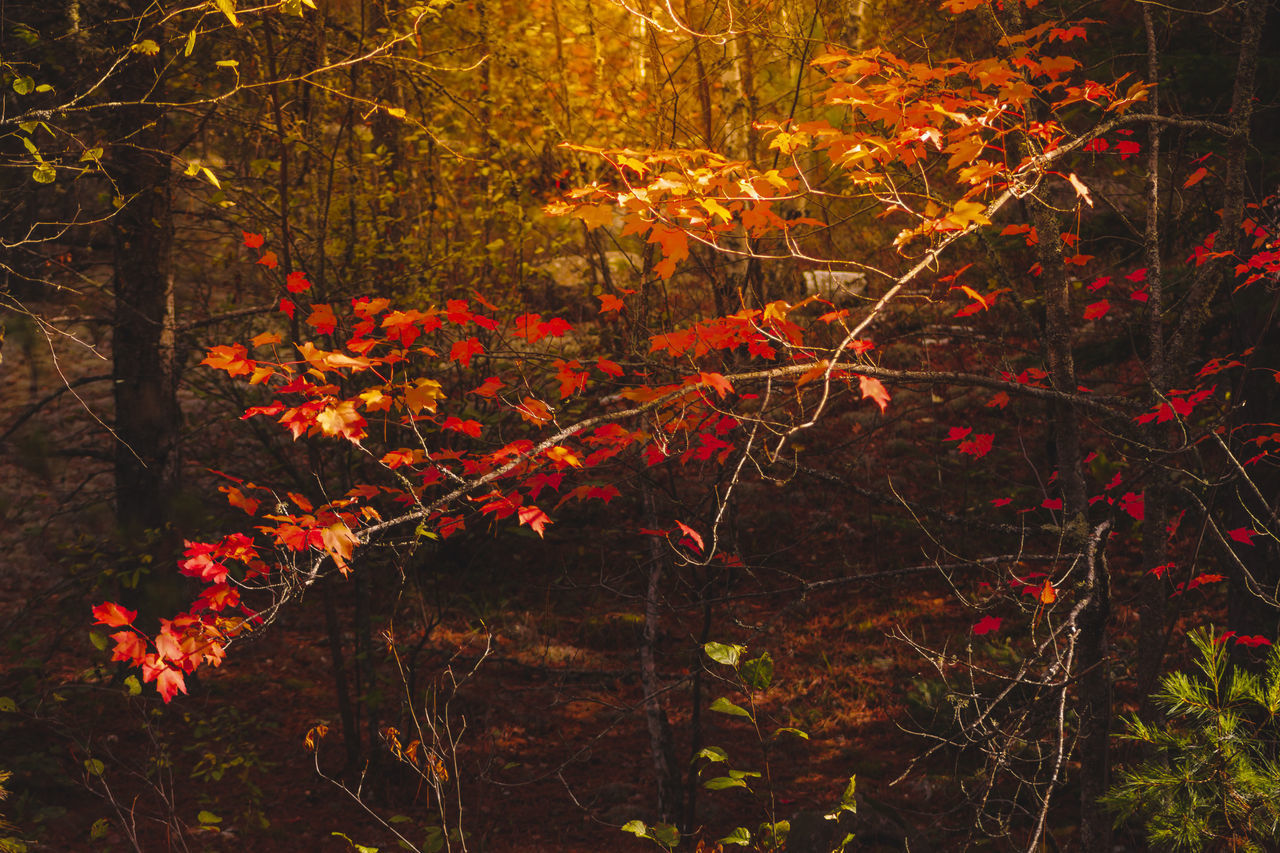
(716, 381)
(1195, 177)
(269, 260)
(534, 411)
(231, 359)
(874, 389)
(322, 319)
(1048, 594)
(340, 543)
(265, 338)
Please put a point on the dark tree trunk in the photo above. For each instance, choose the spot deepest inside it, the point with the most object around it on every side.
(147, 417)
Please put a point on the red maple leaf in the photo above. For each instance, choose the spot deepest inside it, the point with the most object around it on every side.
(1243, 535)
(488, 388)
(987, 624)
(691, 535)
(979, 445)
(468, 427)
(113, 615)
(129, 646)
(612, 368)
(296, 282)
(463, 351)
(535, 518)
(1097, 309)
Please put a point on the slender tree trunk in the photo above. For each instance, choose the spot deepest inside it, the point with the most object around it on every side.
(147, 417)
(1094, 694)
(661, 748)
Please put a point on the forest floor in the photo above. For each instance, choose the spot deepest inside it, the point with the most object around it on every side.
(552, 747)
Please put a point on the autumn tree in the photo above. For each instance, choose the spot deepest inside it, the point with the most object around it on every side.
(1028, 313)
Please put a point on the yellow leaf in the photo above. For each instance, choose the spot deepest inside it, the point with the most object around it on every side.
(423, 396)
(228, 8)
(595, 215)
(565, 455)
(710, 205)
(968, 213)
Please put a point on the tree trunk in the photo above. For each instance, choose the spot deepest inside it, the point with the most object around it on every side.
(661, 748)
(147, 417)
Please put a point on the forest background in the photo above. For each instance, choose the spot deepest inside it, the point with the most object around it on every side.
(582, 424)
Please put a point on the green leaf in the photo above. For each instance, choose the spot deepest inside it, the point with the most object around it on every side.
(98, 639)
(791, 730)
(147, 47)
(207, 818)
(636, 828)
(7, 705)
(741, 836)
(758, 672)
(228, 8)
(665, 834)
(359, 848)
(712, 753)
(433, 841)
(226, 63)
(133, 685)
(719, 783)
(724, 706)
(94, 767)
(724, 653)
(190, 45)
(847, 799)
(44, 174)
(99, 830)
(94, 154)
(24, 85)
